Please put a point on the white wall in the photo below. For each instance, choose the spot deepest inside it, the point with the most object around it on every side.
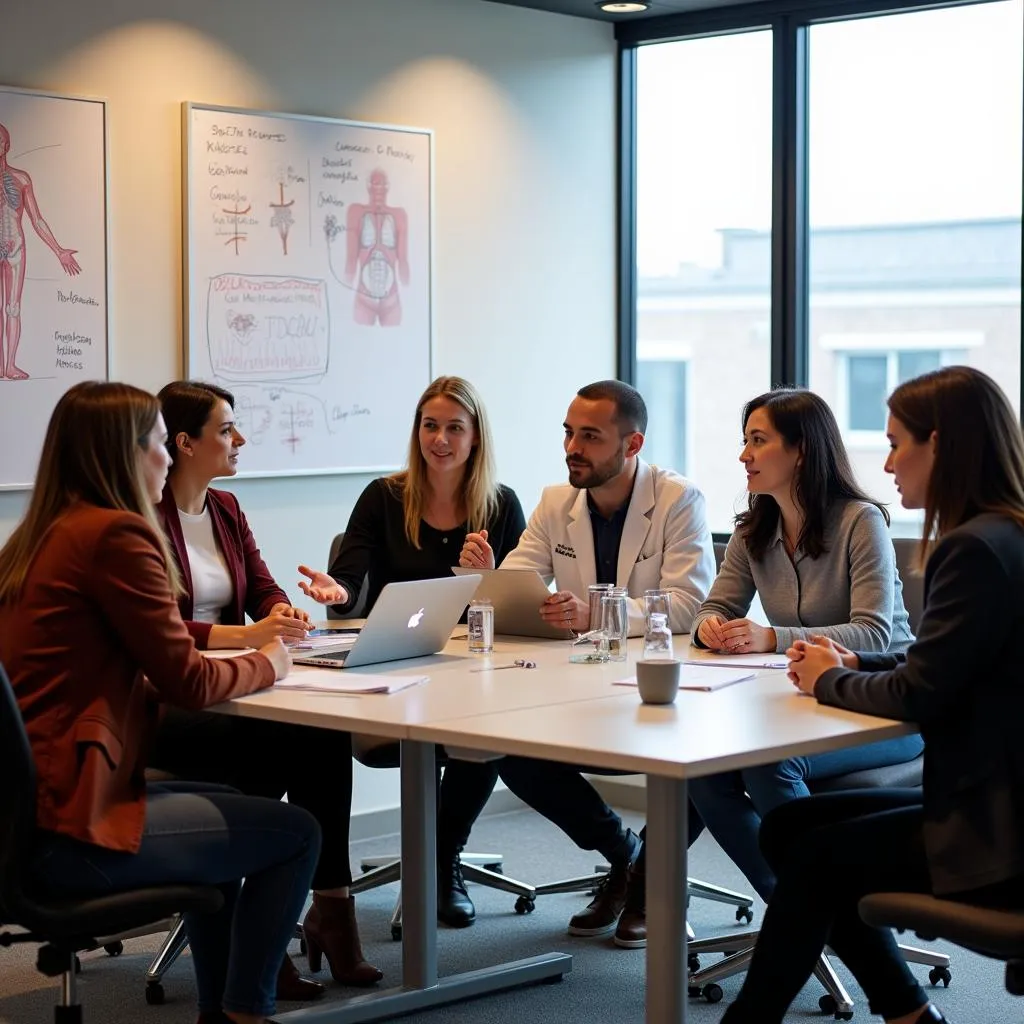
(522, 104)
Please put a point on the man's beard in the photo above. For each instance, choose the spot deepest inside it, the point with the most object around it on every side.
(595, 475)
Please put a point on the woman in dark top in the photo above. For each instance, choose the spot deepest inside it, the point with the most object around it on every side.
(411, 526)
(957, 452)
(224, 577)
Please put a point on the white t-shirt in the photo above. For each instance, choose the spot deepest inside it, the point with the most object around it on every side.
(212, 589)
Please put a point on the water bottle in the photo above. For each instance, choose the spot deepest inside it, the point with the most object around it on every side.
(480, 626)
(658, 638)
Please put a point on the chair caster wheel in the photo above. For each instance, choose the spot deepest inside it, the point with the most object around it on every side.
(302, 946)
(744, 914)
(525, 905)
(828, 1005)
(712, 993)
(114, 948)
(154, 993)
(692, 963)
(498, 868)
(937, 974)
(396, 933)
(693, 991)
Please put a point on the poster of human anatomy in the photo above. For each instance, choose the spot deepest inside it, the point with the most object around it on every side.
(308, 283)
(53, 264)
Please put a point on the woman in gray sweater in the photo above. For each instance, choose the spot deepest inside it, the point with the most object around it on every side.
(817, 552)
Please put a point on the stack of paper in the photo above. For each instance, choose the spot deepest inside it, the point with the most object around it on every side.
(694, 678)
(325, 680)
(739, 660)
(338, 642)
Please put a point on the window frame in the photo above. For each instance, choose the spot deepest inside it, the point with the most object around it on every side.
(789, 21)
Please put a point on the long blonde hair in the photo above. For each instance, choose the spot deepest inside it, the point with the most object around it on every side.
(479, 493)
(90, 454)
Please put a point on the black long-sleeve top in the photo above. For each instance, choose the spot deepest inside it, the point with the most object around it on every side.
(376, 546)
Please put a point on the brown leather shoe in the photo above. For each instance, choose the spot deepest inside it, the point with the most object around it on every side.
(330, 930)
(293, 987)
(603, 911)
(631, 932)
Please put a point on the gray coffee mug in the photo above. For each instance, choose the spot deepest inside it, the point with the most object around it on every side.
(657, 679)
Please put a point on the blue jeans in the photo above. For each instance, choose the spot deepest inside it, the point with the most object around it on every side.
(733, 803)
(198, 833)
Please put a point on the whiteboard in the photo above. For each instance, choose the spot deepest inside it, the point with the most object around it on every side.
(53, 264)
(308, 283)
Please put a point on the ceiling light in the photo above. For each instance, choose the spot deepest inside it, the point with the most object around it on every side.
(613, 7)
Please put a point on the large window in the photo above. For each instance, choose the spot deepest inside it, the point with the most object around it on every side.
(899, 193)
(915, 210)
(704, 203)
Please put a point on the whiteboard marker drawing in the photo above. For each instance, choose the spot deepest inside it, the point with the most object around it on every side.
(282, 218)
(16, 198)
(377, 254)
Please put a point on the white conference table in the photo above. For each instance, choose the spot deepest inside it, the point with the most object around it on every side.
(560, 712)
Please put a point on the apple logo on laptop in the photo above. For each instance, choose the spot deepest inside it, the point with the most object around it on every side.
(414, 620)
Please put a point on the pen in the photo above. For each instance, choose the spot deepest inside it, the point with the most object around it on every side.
(518, 663)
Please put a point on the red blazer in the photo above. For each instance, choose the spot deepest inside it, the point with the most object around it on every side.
(254, 590)
(95, 620)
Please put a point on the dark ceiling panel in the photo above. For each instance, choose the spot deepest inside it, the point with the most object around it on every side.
(589, 8)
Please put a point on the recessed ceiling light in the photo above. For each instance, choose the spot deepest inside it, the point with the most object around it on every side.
(613, 7)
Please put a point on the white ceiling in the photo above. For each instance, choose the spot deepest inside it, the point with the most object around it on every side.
(589, 8)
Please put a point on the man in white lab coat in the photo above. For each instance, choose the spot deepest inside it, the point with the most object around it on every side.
(621, 521)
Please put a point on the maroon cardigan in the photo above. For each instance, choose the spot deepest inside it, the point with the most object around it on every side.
(94, 620)
(253, 589)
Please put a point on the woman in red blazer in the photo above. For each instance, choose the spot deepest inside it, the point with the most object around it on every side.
(92, 639)
(224, 578)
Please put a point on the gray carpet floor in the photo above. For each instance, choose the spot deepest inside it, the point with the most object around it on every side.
(606, 983)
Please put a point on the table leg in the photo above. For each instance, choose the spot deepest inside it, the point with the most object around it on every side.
(666, 914)
(421, 988)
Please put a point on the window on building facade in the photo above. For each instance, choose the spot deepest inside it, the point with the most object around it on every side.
(915, 211)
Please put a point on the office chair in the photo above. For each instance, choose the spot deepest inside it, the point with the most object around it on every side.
(739, 948)
(998, 934)
(64, 925)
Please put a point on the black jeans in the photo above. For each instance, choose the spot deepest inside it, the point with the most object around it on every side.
(271, 759)
(561, 793)
(462, 793)
(827, 852)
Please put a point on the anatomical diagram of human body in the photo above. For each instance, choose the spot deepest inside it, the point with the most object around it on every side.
(16, 199)
(377, 255)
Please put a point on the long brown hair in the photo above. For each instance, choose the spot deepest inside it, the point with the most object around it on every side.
(479, 493)
(90, 454)
(822, 478)
(979, 450)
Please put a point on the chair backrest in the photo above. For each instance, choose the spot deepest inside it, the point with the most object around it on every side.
(358, 610)
(720, 546)
(17, 800)
(913, 581)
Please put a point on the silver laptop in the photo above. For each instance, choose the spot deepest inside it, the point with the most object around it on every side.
(408, 620)
(517, 595)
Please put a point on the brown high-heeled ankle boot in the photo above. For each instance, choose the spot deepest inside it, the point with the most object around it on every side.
(330, 930)
(293, 986)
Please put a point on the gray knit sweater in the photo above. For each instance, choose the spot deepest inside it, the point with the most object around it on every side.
(851, 593)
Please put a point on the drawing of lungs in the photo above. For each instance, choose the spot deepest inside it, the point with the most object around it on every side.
(262, 328)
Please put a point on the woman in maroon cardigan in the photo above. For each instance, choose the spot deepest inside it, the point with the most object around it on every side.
(225, 578)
